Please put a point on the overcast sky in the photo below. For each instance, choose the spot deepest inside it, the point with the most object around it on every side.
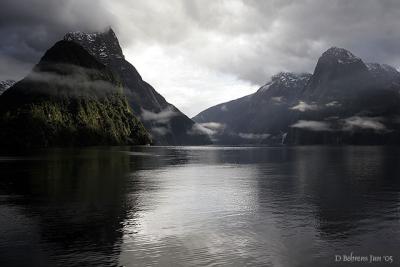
(198, 53)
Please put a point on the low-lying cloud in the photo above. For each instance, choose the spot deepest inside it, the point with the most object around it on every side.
(208, 128)
(252, 136)
(371, 123)
(277, 99)
(317, 126)
(224, 108)
(75, 81)
(303, 107)
(351, 124)
(163, 116)
(333, 104)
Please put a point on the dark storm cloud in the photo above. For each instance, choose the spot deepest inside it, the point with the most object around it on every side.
(253, 39)
(250, 39)
(28, 28)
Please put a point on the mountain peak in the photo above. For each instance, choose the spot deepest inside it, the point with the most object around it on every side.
(341, 55)
(339, 62)
(88, 36)
(110, 31)
(337, 72)
(102, 45)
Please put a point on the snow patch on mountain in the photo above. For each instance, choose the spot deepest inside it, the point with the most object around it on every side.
(286, 79)
(4, 85)
(81, 36)
(104, 45)
(376, 68)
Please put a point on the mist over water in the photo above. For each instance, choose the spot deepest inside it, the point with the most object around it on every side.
(199, 206)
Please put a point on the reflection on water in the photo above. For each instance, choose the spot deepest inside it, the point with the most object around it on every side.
(198, 206)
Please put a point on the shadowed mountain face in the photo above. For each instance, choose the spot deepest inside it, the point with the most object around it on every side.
(344, 101)
(166, 123)
(69, 98)
(338, 72)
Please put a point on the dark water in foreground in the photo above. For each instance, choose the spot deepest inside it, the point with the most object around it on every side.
(199, 206)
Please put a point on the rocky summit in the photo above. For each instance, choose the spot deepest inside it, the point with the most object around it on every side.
(4, 85)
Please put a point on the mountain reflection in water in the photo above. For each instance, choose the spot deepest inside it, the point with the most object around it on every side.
(198, 206)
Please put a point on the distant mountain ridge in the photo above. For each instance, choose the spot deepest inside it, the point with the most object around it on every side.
(165, 122)
(344, 101)
(260, 117)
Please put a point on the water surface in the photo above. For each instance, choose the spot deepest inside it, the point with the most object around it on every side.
(199, 206)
